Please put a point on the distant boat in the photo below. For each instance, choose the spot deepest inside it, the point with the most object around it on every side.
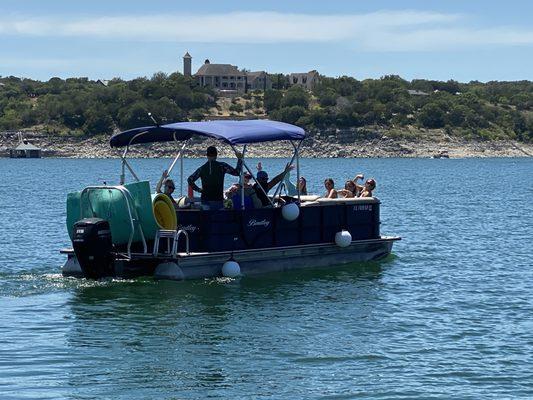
(25, 150)
(441, 154)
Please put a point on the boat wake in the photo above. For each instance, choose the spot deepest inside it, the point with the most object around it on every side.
(37, 282)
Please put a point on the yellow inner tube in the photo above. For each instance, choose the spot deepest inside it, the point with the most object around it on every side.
(164, 212)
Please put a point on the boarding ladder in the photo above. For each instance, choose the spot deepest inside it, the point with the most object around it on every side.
(173, 238)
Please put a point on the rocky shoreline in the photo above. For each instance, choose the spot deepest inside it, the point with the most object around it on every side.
(329, 145)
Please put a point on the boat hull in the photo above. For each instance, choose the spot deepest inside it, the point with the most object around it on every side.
(251, 262)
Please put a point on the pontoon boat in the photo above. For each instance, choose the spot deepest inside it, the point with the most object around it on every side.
(127, 231)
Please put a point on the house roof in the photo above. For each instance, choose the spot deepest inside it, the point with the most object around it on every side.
(26, 146)
(310, 73)
(218, 69)
(187, 55)
(417, 93)
(255, 74)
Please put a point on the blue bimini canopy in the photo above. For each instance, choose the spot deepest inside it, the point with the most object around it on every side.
(232, 132)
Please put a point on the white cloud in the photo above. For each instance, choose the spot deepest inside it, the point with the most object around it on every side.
(379, 31)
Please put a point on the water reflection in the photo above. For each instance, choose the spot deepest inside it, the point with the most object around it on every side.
(200, 335)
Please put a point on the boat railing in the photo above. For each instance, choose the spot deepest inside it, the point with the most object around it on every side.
(184, 233)
(133, 216)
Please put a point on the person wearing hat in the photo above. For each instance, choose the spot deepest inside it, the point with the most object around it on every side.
(263, 185)
(168, 184)
(212, 175)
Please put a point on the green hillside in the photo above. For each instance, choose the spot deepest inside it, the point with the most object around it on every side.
(78, 106)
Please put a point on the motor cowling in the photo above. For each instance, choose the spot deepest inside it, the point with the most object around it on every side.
(93, 247)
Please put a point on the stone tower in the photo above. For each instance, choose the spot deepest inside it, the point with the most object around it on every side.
(187, 63)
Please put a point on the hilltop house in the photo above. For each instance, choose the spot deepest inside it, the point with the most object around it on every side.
(417, 93)
(306, 79)
(258, 80)
(221, 77)
(226, 77)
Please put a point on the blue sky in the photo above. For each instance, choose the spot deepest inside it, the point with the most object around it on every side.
(454, 39)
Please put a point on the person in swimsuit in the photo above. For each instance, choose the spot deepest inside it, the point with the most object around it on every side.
(331, 193)
(349, 190)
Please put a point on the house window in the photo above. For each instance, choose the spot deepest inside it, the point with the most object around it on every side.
(239, 78)
(224, 77)
(295, 80)
(224, 84)
(304, 79)
(232, 78)
(232, 85)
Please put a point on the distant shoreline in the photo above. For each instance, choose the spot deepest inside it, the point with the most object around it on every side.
(314, 147)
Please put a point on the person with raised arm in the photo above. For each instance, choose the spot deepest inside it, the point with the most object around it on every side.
(265, 184)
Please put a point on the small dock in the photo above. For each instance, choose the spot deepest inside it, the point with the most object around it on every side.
(25, 150)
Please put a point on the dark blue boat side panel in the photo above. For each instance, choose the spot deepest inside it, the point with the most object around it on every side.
(287, 233)
(225, 230)
(361, 221)
(191, 222)
(258, 227)
(333, 220)
(311, 220)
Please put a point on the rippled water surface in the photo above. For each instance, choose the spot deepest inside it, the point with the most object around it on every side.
(448, 315)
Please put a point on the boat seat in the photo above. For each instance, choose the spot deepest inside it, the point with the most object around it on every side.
(307, 197)
(310, 203)
(353, 200)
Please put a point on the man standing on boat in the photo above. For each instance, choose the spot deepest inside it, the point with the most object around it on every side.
(212, 177)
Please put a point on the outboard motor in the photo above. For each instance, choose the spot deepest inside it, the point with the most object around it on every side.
(92, 244)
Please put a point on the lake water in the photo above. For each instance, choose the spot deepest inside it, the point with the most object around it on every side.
(448, 315)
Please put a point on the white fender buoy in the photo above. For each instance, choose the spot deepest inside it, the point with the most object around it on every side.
(343, 238)
(290, 211)
(169, 270)
(231, 269)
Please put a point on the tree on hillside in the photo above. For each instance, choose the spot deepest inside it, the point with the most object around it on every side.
(272, 100)
(97, 122)
(431, 116)
(134, 116)
(295, 96)
(290, 115)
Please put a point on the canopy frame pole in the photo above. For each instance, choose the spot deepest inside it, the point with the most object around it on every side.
(179, 156)
(297, 151)
(278, 188)
(253, 176)
(125, 162)
(241, 174)
(124, 165)
(181, 174)
(241, 178)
